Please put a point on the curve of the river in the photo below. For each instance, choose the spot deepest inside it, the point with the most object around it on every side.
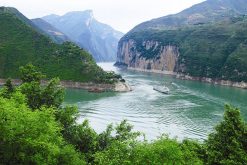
(191, 109)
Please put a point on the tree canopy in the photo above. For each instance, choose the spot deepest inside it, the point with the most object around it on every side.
(36, 129)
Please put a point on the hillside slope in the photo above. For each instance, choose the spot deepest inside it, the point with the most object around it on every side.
(52, 32)
(82, 28)
(21, 44)
(209, 47)
(208, 11)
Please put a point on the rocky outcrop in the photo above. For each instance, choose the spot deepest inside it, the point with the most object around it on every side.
(131, 56)
(122, 87)
(91, 87)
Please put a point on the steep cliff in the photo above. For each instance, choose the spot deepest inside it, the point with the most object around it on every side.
(165, 59)
(213, 49)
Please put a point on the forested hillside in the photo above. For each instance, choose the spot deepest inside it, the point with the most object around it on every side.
(21, 44)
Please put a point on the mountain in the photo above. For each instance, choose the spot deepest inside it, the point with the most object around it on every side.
(206, 41)
(21, 43)
(18, 15)
(205, 12)
(82, 28)
(52, 32)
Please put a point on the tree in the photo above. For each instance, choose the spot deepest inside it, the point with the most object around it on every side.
(52, 95)
(8, 84)
(227, 144)
(38, 95)
(29, 73)
(8, 89)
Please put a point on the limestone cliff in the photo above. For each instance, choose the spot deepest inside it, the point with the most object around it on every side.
(204, 42)
(165, 58)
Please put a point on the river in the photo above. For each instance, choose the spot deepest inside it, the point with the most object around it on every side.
(191, 110)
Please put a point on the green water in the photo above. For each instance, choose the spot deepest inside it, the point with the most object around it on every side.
(191, 110)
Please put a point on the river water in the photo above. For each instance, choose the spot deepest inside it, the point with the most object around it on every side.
(191, 110)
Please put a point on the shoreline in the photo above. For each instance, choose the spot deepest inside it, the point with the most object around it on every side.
(90, 87)
(242, 85)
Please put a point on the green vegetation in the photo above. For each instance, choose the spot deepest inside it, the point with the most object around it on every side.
(21, 44)
(36, 129)
(228, 144)
(215, 50)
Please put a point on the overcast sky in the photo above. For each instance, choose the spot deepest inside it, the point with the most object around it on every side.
(122, 15)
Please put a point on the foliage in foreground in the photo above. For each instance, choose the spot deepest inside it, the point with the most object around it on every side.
(228, 144)
(36, 129)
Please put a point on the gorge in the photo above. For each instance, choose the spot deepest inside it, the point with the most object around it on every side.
(59, 105)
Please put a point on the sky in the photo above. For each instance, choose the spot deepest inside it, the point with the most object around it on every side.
(122, 15)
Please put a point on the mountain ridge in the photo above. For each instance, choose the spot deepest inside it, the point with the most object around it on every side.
(49, 30)
(81, 27)
(205, 12)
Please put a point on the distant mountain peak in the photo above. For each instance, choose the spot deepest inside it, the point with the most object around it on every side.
(96, 37)
(83, 14)
(52, 16)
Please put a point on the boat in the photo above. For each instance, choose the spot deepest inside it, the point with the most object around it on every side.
(161, 89)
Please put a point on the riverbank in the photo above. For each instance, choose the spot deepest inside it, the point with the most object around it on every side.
(242, 85)
(91, 87)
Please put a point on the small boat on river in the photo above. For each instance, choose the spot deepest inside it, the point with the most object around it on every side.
(161, 89)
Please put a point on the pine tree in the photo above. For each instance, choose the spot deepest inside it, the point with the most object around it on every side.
(227, 144)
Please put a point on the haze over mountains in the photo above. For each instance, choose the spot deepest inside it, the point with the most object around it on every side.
(206, 41)
(51, 31)
(22, 42)
(82, 28)
(205, 12)
(79, 27)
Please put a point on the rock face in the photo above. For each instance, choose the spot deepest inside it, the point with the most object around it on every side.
(165, 60)
(82, 28)
(122, 87)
